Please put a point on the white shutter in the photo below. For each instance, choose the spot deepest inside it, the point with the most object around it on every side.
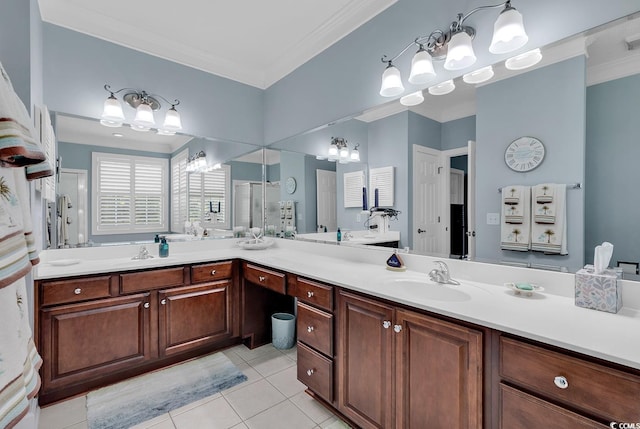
(210, 190)
(114, 193)
(179, 191)
(148, 194)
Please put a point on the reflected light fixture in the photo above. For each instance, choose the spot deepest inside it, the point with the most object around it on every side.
(198, 163)
(412, 99)
(145, 104)
(454, 46)
(442, 88)
(525, 60)
(479, 76)
(339, 151)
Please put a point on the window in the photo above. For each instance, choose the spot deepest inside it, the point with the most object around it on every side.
(179, 183)
(210, 191)
(128, 194)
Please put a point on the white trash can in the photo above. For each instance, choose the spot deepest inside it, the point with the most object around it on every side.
(283, 330)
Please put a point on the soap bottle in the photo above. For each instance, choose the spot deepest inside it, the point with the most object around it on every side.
(156, 239)
(339, 235)
(163, 248)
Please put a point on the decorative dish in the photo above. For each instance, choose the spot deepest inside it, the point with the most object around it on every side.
(255, 243)
(526, 289)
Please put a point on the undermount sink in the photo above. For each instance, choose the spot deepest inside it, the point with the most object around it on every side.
(429, 290)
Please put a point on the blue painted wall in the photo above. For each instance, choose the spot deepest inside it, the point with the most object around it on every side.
(457, 133)
(611, 183)
(77, 66)
(245, 171)
(551, 103)
(217, 151)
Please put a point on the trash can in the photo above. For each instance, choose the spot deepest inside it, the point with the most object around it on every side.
(283, 330)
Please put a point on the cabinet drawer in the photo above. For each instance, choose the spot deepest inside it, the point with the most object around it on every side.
(261, 276)
(315, 371)
(521, 411)
(596, 389)
(211, 272)
(315, 328)
(76, 290)
(145, 280)
(314, 293)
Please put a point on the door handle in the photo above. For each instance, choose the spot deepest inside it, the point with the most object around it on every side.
(420, 231)
(471, 233)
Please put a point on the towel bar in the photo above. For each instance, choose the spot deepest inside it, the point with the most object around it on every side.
(569, 186)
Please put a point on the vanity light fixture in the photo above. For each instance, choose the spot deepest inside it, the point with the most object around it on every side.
(412, 99)
(145, 104)
(455, 47)
(355, 154)
(478, 76)
(525, 60)
(442, 88)
(339, 151)
(198, 163)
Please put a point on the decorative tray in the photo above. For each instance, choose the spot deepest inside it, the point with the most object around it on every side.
(526, 289)
(255, 243)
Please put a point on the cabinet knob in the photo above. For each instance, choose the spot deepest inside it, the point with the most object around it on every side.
(77, 291)
(386, 324)
(262, 278)
(163, 302)
(146, 305)
(397, 328)
(561, 382)
(309, 294)
(213, 272)
(310, 372)
(310, 328)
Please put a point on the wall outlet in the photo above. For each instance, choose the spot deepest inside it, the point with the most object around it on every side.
(493, 218)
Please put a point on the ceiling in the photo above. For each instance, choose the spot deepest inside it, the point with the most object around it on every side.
(253, 42)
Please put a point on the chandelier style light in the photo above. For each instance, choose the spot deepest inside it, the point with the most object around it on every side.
(145, 104)
(454, 46)
(197, 163)
(339, 151)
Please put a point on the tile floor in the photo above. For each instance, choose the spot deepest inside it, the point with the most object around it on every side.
(271, 398)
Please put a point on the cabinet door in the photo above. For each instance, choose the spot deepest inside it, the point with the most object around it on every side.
(438, 374)
(194, 316)
(365, 356)
(82, 341)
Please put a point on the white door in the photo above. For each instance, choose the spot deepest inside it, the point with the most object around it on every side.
(471, 199)
(456, 189)
(326, 199)
(72, 219)
(426, 201)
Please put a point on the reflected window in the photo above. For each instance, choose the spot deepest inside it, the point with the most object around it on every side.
(209, 196)
(128, 194)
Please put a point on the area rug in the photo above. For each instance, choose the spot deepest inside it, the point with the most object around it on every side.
(142, 398)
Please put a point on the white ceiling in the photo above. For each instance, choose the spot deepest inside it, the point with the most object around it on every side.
(254, 42)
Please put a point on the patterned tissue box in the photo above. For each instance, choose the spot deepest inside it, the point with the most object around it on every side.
(598, 291)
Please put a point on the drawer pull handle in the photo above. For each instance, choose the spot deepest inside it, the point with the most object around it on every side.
(309, 294)
(262, 278)
(77, 291)
(310, 328)
(163, 302)
(310, 372)
(386, 324)
(213, 272)
(397, 328)
(561, 382)
(146, 305)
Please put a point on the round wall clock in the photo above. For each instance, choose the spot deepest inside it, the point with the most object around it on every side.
(524, 154)
(290, 185)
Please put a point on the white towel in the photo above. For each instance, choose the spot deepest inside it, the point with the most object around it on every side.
(513, 204)
(517, 236)
(552, 237)
(512, 194)
(544, 208)
(543, 194)
(63, 206)
(513, 213)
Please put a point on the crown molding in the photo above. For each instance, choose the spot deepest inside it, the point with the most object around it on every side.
(612, 70)
(382, 111)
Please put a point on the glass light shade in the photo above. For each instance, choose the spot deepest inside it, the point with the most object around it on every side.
(460, 53)
(442, 88)
(508, 32)
(201, 163)
(140, 128)
(162, 132)
(333, 152)
(112, 114)
(479, 76)
(144, 116)
(344, 153)
(421, 68)
(172, 120)
(217, 166)
(523, 61)
(412, 99)
(355, 155)
(391, 82)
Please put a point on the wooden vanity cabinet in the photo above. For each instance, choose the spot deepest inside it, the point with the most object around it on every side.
(402, 369)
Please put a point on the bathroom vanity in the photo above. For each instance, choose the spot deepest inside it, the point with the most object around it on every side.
(382, 349)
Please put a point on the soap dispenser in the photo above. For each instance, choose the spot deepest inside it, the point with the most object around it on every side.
(339, 235)
(163, 248)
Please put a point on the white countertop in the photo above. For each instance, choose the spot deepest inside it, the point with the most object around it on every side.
(550, 317)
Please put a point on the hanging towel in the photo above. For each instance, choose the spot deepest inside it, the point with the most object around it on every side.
(543, 194)
(552, 237)
(513, 204)
(63, 206)
(544, 210)
(512, 194)
(517, 236)
(513, 213)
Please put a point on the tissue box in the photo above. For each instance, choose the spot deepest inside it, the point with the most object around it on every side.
(598, 291)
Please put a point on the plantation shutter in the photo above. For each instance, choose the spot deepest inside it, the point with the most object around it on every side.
(114, 193)
(148, 194)
(210, 187)
(179, 179)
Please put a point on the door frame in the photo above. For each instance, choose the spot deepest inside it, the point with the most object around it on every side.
(82, 203)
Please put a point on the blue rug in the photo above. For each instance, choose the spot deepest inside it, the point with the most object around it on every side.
(142, 398)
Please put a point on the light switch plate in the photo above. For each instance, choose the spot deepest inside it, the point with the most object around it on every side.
(493, 218)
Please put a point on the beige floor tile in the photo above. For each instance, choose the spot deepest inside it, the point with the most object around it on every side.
(311, 407)
(233, 356)
(216, 414)
(64, 414)
(287, 382)
(283, 416)
(247, 354)
(291, 353)
(252, 377)
(333, 423)
(81, 425)
(167, 424)
(240, 426)
(271, 363)
(254, 398)
(194, 404)
(154, 422)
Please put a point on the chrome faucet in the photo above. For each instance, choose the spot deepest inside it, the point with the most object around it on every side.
(441, 274)
(143, 253)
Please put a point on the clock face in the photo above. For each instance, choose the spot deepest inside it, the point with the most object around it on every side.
(291, 185)
(524, 154)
